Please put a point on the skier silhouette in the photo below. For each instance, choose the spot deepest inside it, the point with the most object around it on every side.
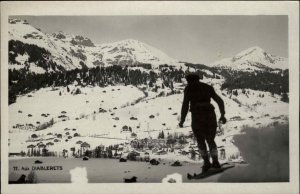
(204, 124)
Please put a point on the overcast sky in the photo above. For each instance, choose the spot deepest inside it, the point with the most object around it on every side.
(201, 39)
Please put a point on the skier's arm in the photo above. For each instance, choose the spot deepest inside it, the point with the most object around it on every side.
(219, 101)
(185, 107)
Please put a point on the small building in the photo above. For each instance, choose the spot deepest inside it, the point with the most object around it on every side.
(133, 135)
(49, 144)
(133, 155)
(151, 116)
(145, 156)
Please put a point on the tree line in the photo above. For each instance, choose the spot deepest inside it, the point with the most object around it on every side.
(22, 81)
(268, 81)
(275, 83)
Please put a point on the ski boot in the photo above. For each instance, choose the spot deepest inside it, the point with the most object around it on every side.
(216, 164)
(207, 164)
(214, 156)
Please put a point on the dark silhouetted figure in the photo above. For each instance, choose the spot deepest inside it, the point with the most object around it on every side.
(204, 123)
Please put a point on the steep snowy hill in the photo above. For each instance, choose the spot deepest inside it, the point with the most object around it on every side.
(254, 58)
(36, 51)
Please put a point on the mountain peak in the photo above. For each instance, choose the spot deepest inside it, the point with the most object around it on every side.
(253, 58)
(129, 42)
(252, 52)
(135, 51)
(255, 48)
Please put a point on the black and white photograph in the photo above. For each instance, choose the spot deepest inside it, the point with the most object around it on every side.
(139, 99)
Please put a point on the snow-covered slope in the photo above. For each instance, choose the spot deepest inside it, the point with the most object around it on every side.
(23, 35)
(254, 58)
(131, 51)
(67, 51)
(99, 116)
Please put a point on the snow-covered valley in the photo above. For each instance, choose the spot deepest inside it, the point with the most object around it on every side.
(103, 116)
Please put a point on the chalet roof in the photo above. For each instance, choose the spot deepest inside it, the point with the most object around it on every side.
(42, 145)
(31, 146)
(49, 143)
(85, 144)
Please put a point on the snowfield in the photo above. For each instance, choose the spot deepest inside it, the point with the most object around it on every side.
(80, 111)
(99, 115)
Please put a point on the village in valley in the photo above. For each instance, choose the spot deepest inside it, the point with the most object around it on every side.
(116, 131)
(173, 147)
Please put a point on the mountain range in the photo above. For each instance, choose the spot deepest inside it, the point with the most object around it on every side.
(40, 52)
(73, 51)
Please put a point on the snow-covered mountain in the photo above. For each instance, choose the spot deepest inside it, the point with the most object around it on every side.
(133, 51)
(254, 58)
(40, 52)
(61, 51)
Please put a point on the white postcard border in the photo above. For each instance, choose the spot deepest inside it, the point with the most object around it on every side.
(157, 8)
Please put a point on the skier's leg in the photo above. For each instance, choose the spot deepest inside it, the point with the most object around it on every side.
(213, 148)
(210, 134)
(203, 152)
(200, 137)
(214, 156)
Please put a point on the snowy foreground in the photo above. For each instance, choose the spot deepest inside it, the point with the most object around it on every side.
(105, 170)
(268, 162)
